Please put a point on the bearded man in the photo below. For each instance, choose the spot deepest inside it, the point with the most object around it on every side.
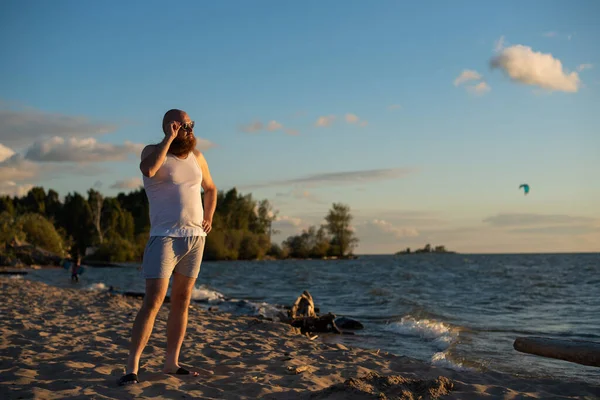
(174, 172)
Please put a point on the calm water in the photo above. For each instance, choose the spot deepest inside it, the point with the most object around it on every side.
(458, 311)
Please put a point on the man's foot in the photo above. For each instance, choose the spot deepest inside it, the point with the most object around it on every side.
(128, 379)
(182, 371)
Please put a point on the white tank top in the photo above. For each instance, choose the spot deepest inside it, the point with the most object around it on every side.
(174, 196)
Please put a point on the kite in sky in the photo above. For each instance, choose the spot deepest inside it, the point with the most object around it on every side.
(525, 188)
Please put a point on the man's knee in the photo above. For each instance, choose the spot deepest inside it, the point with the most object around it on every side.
(155, 294)
(181, 298)
(153, 303)
(183, 287)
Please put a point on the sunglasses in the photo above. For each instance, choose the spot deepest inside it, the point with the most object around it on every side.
(188, 126)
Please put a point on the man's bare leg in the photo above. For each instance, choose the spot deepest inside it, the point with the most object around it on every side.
(181, 294)
(156, 289)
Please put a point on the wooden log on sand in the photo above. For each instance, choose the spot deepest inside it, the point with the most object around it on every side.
(324, 323)
(576, 351)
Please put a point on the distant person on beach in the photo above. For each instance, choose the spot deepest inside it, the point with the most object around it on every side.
(75, 264)
(174, 173)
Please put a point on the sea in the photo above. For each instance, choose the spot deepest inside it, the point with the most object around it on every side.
(456, 311)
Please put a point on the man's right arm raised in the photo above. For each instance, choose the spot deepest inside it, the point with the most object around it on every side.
(153, 157)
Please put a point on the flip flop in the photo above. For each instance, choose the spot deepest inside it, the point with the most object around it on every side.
(128, 379)
(183, 371)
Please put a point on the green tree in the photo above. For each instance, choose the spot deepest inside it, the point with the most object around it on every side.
(116, 220)
(34, 201)
(41, 232)
(277, 252)
(298, 246)
(9, 229)
(136, 202)
(214, 248)
(7, 205)
(95, 201)
(321, 243)
(116, 249)
(53, 206)
(338, 220)
(249, 247)
(77, 221)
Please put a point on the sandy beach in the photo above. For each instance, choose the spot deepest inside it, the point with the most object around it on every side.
(67, 344)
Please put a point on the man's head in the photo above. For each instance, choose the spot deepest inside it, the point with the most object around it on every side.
(185, 140)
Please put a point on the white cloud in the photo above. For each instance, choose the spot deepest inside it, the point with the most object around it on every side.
(300, 194)
(5, 152)
(203, 144)
(523, 219)
(554, 34)
(499, 44)
(583, 67)
(16, 168)
(58, 149)
(273, 126)
(345, 177)
(132, 183)
(20, 128)
(351, 118)
(10, 188)
(394, 107)
(287, 220)
(528, 67)
(480, 88)
(387, 227)
(467, 75)
(325, 121)
(252, 127)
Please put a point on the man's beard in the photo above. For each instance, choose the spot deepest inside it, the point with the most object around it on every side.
(182, 146)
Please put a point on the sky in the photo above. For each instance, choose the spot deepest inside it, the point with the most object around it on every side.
(423, 117)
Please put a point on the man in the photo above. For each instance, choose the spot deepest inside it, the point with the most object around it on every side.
(174, 173)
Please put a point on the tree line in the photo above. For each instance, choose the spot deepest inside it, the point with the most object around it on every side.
(117, 228)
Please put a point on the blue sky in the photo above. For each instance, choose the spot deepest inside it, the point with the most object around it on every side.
(424, 118)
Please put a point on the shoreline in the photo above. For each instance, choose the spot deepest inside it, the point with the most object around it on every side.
(59, 343)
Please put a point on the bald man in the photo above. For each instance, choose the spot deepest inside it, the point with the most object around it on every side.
(174, 173)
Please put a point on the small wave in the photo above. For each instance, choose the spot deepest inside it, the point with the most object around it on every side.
(15, 277)
(441, 359)
(96, 287)
(206, 294)
(440, 333)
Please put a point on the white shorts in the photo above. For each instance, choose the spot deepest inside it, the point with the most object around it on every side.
(166, 254)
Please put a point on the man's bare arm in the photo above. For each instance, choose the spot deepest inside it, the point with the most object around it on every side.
(210, 192)
(153, 157)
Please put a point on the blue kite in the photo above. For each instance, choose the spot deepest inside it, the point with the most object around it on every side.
(525, 188)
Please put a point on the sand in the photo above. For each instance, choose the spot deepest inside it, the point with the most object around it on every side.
(71, 344)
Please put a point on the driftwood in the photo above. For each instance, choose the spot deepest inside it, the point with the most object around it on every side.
(302, 315)
(304, 306)
(324, 323)
(576, 351)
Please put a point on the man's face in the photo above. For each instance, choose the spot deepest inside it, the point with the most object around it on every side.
(187, 126)
(185, 140)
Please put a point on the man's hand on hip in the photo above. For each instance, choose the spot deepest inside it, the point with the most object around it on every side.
(206, 225)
